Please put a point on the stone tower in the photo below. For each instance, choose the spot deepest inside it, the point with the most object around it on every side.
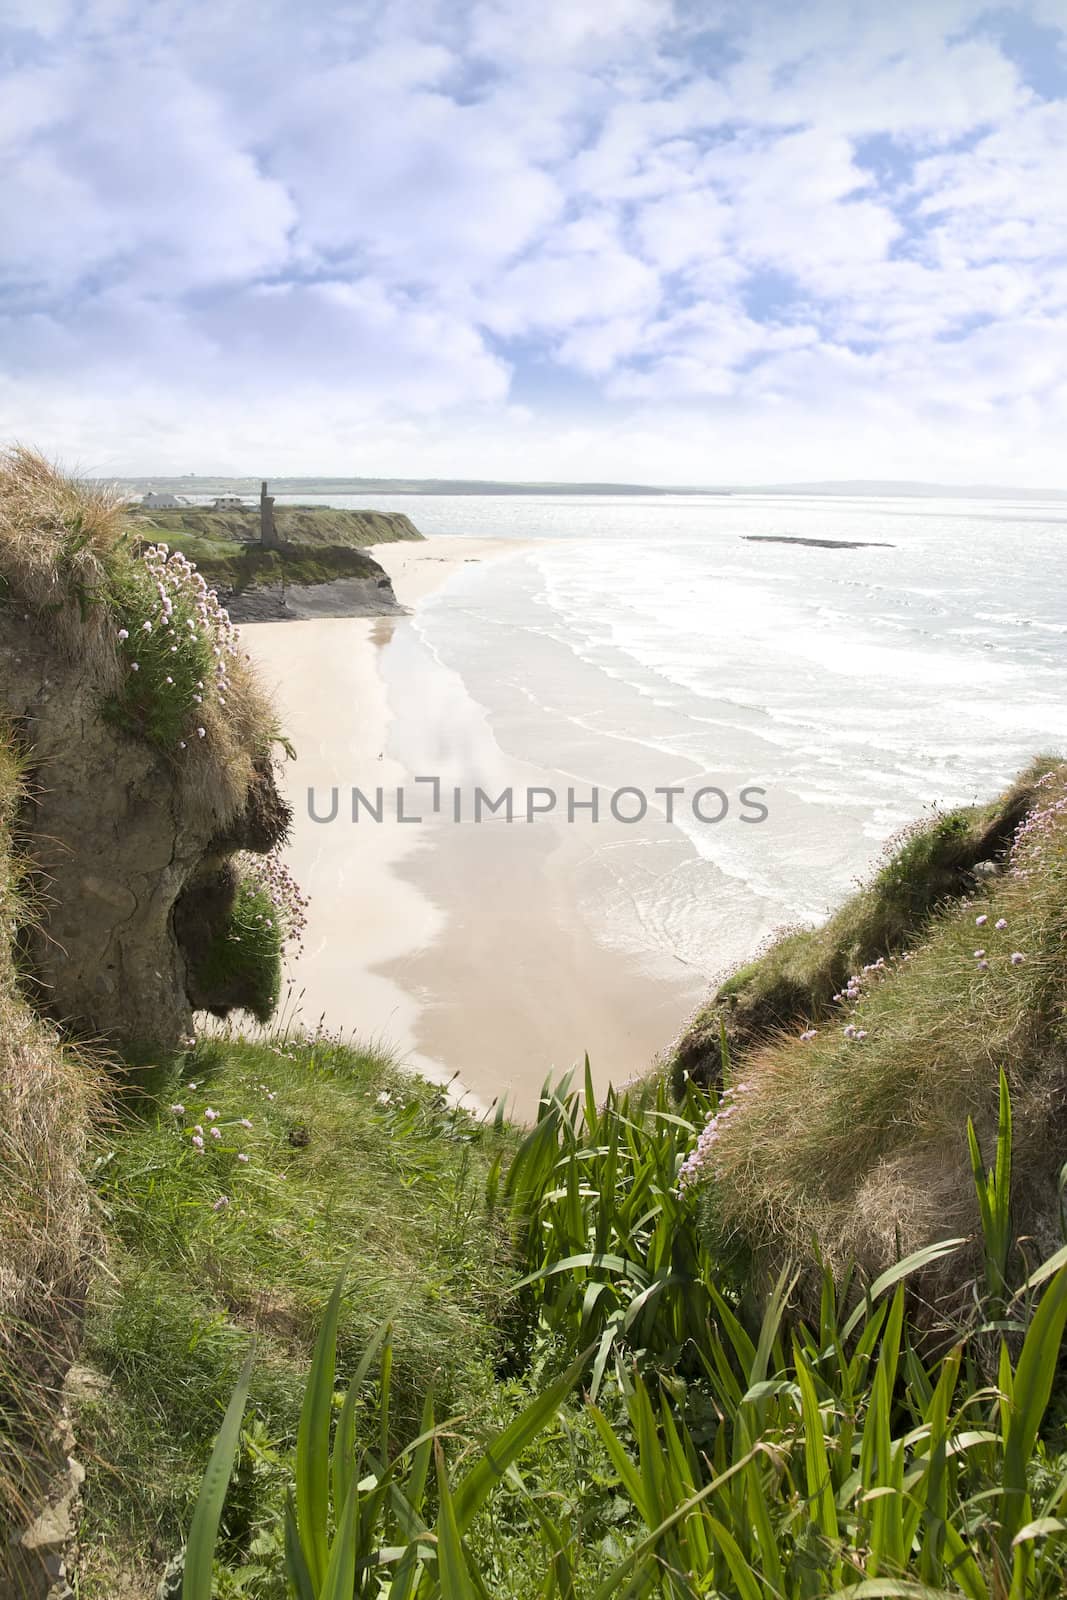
(268, 537)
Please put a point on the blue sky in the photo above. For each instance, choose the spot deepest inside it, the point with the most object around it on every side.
(695, 242)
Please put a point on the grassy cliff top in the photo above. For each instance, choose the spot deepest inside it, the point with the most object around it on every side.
(859, 1050)
(85, 588)
(319, 543)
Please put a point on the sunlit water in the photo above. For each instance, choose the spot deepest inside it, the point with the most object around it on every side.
(643, 641)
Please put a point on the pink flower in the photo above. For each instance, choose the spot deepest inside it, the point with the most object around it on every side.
(979, 954)
(242, 1156)
(198, 1142)
(216, 1133)
(124, 633)
(1001, 922)
(1017, 958)
(245, 1123)
(135, 666)
(211, 1115)
(983, 966)
(809, 1034)
(221, 1203)
(980, 922)
(178, 1109)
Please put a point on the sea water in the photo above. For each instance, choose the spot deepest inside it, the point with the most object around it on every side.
(646, 641)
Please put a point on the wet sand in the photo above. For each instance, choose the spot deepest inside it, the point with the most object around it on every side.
(459, 945)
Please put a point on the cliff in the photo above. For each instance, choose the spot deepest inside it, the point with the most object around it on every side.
(148, 754)
(857, 1051)
(320, 567)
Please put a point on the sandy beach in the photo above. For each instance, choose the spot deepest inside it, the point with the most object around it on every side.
(459, 946)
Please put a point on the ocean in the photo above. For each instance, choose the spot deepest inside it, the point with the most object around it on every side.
(645, 642)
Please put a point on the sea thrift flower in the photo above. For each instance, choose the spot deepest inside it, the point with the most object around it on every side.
(216, 1133)
(810, 1034)
(1017, 958)
(245, 1122)
(124, 633)
(241, 1156)
(221, 1203)
(201, 733)
(979, 954)
(135, 666)
(980, 922)
(1001, 923)
(198, 1142)
(178, 1109)
(983, 966)
(211, 1115)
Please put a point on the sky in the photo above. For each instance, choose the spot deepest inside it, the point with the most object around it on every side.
(661, 241)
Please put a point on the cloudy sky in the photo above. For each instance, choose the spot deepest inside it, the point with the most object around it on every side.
(657, 240)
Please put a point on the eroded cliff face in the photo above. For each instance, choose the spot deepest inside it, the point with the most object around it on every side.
(118, 839)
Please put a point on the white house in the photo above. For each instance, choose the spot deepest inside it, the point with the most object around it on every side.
(228, 502)
(160, 502)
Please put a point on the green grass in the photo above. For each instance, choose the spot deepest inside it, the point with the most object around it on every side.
(243, 961)
(855, 1141)
(348, 1162)
(806, 1456)
(321, 544)
(241, 567)
(159, 697)
(797, 976)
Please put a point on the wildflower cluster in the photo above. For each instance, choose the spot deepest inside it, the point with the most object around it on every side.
(178, 644)
(284, 904)
(211, 1134)
(694, 1167)
(982, 956)
(1035, 836)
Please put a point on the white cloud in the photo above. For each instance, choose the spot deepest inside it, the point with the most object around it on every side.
(313, 232)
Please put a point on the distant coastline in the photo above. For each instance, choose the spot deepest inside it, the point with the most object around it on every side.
(866, 488)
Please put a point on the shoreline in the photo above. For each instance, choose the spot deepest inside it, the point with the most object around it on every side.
(466, 952)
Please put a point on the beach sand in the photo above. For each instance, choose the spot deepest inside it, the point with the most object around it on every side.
(459, 946)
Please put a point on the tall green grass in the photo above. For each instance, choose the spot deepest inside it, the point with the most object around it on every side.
(861, 1451)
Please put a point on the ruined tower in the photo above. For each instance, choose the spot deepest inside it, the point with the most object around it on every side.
(268, 538)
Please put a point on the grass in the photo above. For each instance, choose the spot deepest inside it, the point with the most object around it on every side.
(349, 1162)
(842, 1453)
(797, 976)
(49, 1096)
(851, 1135)
(73, 579)
(319, 544)
(237, 566)
(298, 525)
(242, 963)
